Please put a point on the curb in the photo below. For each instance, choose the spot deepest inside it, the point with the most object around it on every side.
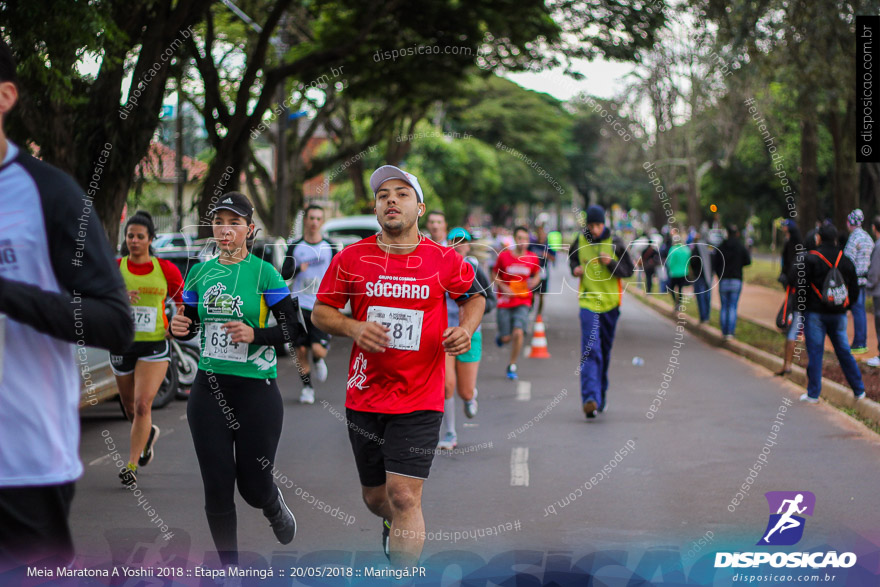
(834, 393)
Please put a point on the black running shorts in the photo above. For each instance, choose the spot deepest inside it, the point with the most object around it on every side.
(403, 444)
(312, 334)
(152, 351)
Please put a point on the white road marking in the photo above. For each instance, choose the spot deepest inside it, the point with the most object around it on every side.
(519, 466)
(99, 459)
(523, 391)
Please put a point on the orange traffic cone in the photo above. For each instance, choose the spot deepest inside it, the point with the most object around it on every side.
(539, 341)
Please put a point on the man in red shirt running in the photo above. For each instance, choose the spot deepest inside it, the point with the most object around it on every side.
(396, 282)
(517, 274)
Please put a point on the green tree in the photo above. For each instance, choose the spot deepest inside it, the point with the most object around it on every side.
(72, 114)
(527, 128)
(810, 46)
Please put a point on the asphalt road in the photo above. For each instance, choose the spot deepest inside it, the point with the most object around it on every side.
(529, 466)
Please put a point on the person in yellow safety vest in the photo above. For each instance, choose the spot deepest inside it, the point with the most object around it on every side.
(599, 260)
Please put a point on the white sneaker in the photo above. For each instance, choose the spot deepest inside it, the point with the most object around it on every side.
(321, 371)
(873, 362)
(860, 395)
(470, 407)
(808, 399)
(449, 442)
(307, 396)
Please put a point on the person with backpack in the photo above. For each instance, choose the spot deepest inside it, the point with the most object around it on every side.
(827, 279)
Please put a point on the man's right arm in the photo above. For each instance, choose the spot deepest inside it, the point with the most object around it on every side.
(370, 336)
(332, 321)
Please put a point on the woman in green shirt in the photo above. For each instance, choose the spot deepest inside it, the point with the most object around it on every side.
(235, 410)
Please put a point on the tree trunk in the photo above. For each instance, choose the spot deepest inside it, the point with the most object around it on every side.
(76, 136)
(807, 202)
(693, 194)
(871, 186)
(223, 176)
(656, 205)
(846, 195)
(363, 200)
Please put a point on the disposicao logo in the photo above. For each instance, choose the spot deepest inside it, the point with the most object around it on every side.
(785, 527)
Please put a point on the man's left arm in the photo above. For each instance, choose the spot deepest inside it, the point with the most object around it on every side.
(471, 313)
(457, 339)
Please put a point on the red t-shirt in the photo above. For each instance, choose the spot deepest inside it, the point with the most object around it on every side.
(515, 272)
(169, 270)
(406, 293)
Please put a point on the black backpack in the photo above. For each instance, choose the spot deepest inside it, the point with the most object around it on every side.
(834, 293)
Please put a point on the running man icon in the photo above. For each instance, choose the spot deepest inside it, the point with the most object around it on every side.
(789, 506)
(786, 522)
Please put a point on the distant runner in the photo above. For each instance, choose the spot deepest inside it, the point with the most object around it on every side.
(141, 368)
(599, 260)
(517, 273)
(435, 222)
(540, 245)
(307, 261)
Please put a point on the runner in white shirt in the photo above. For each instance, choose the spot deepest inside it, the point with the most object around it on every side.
(307, 261)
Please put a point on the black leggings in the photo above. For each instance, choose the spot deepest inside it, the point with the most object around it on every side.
(235, 423)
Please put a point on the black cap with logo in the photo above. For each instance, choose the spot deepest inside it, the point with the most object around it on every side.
(235, 202)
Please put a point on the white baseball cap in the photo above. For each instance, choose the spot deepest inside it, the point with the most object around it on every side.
(387, 172)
